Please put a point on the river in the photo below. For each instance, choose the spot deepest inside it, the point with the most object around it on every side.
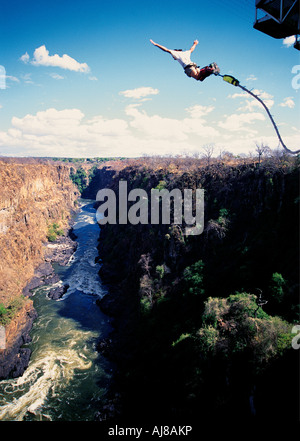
(66, 378)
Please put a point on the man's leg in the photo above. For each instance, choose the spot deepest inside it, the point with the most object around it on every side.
(206, 71)
(194, 72)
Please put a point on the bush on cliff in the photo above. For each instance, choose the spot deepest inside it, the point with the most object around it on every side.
(237, 325)
(7, 313)
(54, 230)
(193, 276)
(79, 177)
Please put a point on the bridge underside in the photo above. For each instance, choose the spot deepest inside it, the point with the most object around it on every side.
(281, 17)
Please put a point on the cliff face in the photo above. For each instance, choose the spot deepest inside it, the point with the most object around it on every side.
(33, 196)
(14, 359)
(178, 356)
(250, 227)
(102, 177)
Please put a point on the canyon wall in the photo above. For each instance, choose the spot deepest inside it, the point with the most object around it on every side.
(191, 338)
(34, 195)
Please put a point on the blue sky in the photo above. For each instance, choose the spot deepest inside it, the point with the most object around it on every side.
(83, 80)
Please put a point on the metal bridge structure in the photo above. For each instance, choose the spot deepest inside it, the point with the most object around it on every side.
(281, 18)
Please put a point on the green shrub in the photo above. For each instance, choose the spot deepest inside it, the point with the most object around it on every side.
(193, 277)
(145, 305)
(7, 313)
(161, 185)
(236, 325)
(207, 338)
(160, 271)
(3, 314)
(79, 178)
(181, 338)
(277, 287)
(54, 230)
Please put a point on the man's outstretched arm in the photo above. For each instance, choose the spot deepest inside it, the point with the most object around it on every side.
(194, 45)
(161, 47)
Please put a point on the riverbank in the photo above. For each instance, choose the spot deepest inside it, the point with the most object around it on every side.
(66, 379)
(14, 359)
(58, 252)
(35, 198)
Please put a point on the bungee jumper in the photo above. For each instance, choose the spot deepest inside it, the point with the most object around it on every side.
(190, 69)
(193, 71)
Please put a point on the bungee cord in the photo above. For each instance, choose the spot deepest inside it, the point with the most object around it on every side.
(231, 80)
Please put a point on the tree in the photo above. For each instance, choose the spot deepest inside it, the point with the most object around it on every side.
(208, 152)
(225, 156)
(277, 287)
(236, 325)
(262, 150)
(193, 277)
(145, 263)
(79, 178)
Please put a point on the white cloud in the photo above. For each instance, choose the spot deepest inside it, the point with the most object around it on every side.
(238, 95)
(251, 78)
(69, 132)
(265, 96)
(252, 103)
(240, 122)
(140, 92)
(155, 126)
(65, 133)
(27, 78)
(289, 41)
(288, 102)
(12, 78)
(93, 78)
(101, 126)
(199, 111)
(25, 58)
(41, 57)
(56, 76)
(158, 127)
(50, 121)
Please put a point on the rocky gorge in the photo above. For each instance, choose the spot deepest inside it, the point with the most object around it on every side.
(190, 334)
(191, 338)
(34, 196)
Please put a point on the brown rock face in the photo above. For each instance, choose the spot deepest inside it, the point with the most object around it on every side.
(33, 195)
(14, 359)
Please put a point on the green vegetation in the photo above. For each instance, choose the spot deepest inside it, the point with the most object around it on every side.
(181, 338)
(7, 313)
(146, 305)
(236, 324)
(161, 185)
(54, 230)
(160, 270)
(79, 177)
(82, 177)
(277, 287)
(193, 276)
